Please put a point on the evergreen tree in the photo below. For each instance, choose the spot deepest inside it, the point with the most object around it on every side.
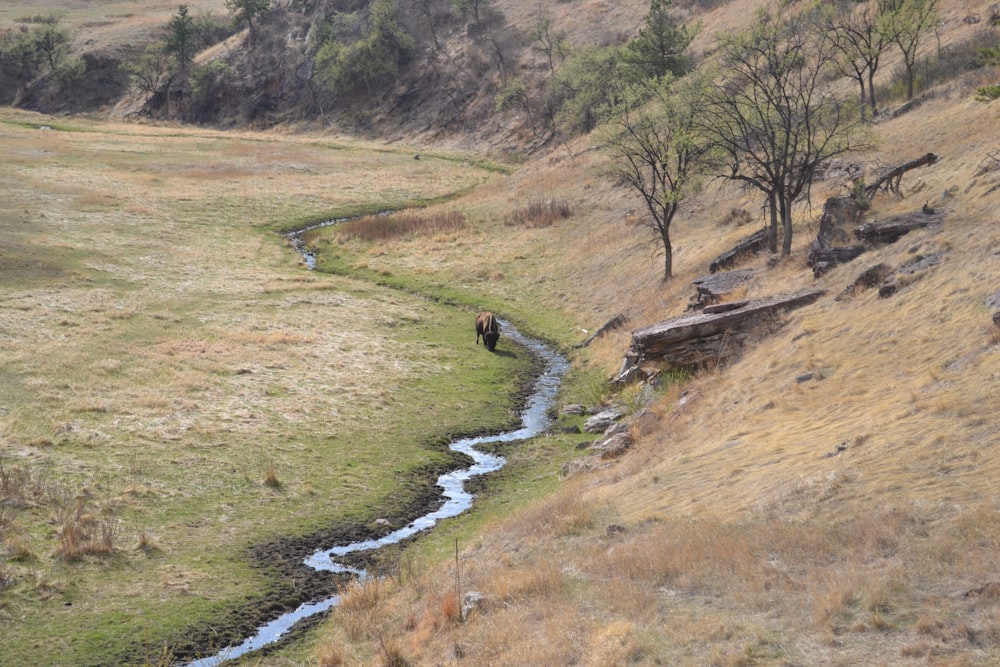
(659, 48)
(182, 37)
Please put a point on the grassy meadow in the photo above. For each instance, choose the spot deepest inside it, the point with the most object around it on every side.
(177, 387)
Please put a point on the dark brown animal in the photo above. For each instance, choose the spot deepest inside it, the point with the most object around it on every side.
(487, 326)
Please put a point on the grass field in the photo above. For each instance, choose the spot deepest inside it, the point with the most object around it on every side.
(177, 387)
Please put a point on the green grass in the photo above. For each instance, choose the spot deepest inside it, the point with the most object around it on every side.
(172, 371)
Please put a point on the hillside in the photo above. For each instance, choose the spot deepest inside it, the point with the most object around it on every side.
(826, 497)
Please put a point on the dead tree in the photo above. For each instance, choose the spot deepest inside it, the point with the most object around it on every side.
(890, 180)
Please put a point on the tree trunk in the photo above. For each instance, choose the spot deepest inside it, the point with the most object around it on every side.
(786, 227)
(871, 92)
(668, 257)
(772, 232)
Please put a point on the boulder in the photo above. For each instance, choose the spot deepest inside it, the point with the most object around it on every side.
(602, 421)
(696, 339)
(616, 445)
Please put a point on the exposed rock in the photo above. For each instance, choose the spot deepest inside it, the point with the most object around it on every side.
(577, 466)
(711, 288)
(616, 445)
(887, 290)
(822, 260)
(993, 301)
(470, 601)
(692, 340)
(574, 409)
(602, 421)
(869, 279)
(646, 421)
(616, 428)
(893, 229)
(839, 215)
(921, 263)
(750, 245)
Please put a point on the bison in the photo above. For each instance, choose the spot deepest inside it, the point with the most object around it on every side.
(487, 326)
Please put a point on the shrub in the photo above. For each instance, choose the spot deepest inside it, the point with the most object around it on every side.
(988, 93)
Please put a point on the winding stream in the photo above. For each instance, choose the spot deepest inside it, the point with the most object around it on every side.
(534, 419)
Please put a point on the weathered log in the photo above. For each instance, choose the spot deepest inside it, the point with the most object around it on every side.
(891, 230)
(749, 245)
(694, 339)
(891, 178)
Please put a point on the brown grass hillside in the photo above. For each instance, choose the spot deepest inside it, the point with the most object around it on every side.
(850, 518)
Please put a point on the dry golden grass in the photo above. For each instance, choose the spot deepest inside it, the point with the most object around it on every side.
(827, 498)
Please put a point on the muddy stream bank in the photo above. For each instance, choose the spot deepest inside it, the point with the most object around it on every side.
(308, 571)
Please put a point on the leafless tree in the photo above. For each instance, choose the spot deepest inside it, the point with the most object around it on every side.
(771, 116)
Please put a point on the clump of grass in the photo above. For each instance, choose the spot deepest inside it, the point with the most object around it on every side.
(271, 479)
(400, 225)
(81, 533)
(538, 214)
(450, 609)
(15, 486)
(360, 609)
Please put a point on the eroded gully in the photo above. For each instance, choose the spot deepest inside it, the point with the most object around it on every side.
(454, 498)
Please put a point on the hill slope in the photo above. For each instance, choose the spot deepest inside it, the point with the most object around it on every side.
(829, 498)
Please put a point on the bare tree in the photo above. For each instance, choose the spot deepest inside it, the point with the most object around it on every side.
(860, 41)
(771, 117)
(656, 150)
(545, 38)
(906, 22)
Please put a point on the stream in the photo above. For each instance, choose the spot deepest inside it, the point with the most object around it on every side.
(455, 499)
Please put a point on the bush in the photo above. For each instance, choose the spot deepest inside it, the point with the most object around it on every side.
(988, 93)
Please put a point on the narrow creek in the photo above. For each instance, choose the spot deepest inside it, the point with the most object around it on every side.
(455, 499)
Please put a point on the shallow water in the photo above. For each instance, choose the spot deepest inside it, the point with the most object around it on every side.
(534, 420)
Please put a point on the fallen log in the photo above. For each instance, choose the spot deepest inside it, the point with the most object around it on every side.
(891, 178)
(891, 230)
(695, 339)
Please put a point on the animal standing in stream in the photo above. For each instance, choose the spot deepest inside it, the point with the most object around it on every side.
(487, 326)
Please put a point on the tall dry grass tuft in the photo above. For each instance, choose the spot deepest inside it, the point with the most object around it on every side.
(271, 479)
(81, 533)
(538, 214)
(400, 225)
(330, 653)
(359, 612)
